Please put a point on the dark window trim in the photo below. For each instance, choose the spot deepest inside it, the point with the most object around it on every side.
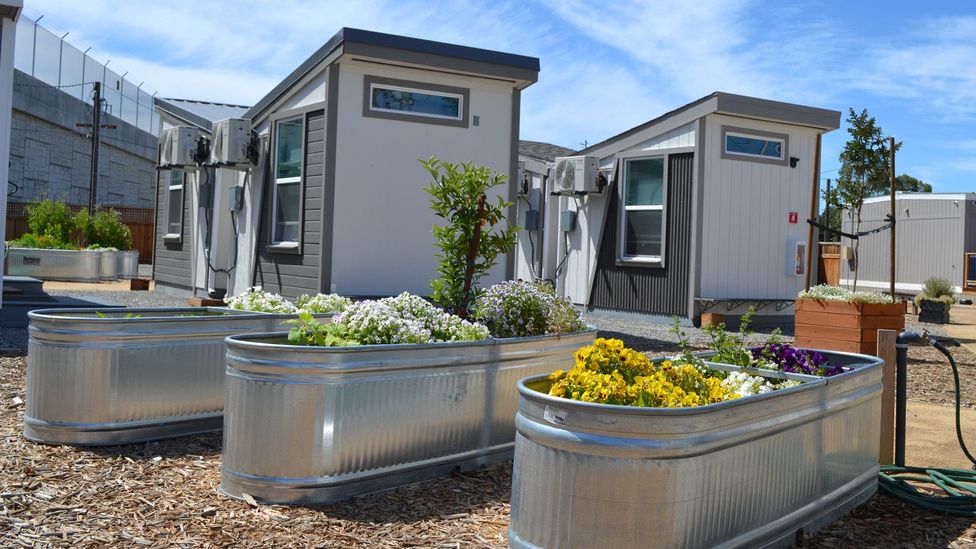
(620, 160)
(753, 158)
(369, 112)
(168, 237)
(287, 247)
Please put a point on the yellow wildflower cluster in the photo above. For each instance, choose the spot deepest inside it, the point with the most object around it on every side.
(609, 373)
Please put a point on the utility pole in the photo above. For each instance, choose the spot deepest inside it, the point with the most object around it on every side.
(96, 136)
(891, 152)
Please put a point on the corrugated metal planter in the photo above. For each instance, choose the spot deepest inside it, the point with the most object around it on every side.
(127, 264)
(67, 265)
(113, 380)
(750, 472)
(108, 269)
(319, 424)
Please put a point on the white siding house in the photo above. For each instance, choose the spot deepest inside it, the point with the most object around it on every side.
(704, 210)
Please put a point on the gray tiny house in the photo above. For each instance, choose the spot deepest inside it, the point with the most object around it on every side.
(934, 232)
(698, 210)
(335, 200)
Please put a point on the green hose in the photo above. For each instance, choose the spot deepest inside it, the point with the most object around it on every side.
(959, 484)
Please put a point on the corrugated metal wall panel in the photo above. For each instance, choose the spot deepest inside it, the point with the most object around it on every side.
(646, 289)
(295, 274)
(172, 259)
(930, 240)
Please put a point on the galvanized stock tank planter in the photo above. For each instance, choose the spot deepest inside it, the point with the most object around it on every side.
(127, 264)
(130, 375)
(108, 269)
(318, 424)
(749, 472)
(66, 265)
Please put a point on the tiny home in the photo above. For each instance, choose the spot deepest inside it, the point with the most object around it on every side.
(334, 201)
(935, 237)
(699, 210)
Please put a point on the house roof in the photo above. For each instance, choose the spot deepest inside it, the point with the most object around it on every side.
(200, 113)
(902, 195)
(547, 152)
(738, 105)
(403, 49)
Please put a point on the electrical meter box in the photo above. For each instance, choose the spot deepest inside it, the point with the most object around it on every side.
(231, 142)
(178, 146)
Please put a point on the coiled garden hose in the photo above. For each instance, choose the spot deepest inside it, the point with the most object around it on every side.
(959, 485)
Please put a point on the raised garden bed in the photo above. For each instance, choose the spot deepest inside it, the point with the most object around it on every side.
(108, 268)
(317, 424)
(845, 326)
(104, 376)
(64, 265)
(127, 264)
(747, 472)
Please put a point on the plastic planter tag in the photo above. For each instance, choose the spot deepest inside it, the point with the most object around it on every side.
(555, 415)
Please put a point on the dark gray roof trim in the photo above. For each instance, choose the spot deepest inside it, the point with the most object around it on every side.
(741, 105)
(382, 44)
(547, 152)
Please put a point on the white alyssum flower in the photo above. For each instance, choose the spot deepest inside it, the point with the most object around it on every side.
(258, 300)
(323, 303)
(744, 384)
(405, 318)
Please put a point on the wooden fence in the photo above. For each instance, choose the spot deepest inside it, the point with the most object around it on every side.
(139, 221)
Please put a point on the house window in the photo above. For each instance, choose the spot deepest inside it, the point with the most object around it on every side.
(644, 197)
(174, 205)
(416, 101)
(754, 145)
(289, 141)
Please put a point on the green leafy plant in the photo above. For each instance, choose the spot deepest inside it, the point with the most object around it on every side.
(51, 219)
(44, 242)
(474, 234)
(730, 348)
(307, 330)
(936, 289)
(104, 229)
(687, 354)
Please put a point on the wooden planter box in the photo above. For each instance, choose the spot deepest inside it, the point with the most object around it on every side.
(843, 326)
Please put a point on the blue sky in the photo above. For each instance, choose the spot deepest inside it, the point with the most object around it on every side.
(606, 66)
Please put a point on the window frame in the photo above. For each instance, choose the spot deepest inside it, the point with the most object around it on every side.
(750, 133)
(462, 94)
(623, 258)
(170, 187)
(273, 243)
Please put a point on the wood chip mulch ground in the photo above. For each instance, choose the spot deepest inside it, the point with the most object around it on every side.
(165, 494)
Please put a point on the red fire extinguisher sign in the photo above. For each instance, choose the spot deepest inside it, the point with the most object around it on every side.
(794, 217)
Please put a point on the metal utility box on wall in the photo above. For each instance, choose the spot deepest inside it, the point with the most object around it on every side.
(567, 221)
(178, 146)
(231, 142)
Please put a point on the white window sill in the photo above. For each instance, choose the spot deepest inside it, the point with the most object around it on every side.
(641, 262)
(284, 247)
(172, 237)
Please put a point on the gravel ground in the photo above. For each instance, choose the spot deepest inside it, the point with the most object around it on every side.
(166, 493)
(128, 299)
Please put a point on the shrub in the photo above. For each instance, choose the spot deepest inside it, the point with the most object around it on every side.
(104, 229)
(472, 238)
(936, 289)
(51, 219)
(44, 242)
(520, 309)
(824, 292)
(323, 303)
(256, 299)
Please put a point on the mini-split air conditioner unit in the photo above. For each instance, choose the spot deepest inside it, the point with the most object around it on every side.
(178, 146)
(231, 143)
(577, 175)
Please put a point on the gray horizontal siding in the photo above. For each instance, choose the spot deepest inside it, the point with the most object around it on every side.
(171, 261)
(662, 291)
(293, 274)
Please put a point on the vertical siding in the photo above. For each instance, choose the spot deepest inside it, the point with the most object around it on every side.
(930, 242)
(745, 215)
(645, 289)
(171, 264)
(295, 274)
